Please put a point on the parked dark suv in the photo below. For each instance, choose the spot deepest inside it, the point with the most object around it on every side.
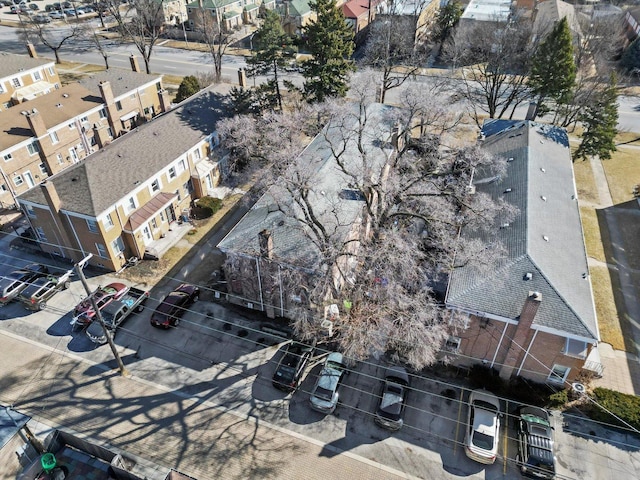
(291, 366)
(535, 443)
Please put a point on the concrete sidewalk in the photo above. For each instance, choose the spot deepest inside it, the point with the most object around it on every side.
(166, 427)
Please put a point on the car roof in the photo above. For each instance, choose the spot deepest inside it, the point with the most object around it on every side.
(335, 357)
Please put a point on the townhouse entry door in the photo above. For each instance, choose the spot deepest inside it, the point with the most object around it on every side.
(146, 235)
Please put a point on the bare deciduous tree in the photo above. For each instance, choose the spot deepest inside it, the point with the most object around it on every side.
(142, 24)
(493, 58)
(53, 38)
(217, 38)
(415, 196)
(393, 47)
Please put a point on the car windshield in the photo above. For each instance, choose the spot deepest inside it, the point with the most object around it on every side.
(485, 405)
(540, 465)
(324, 394)
(482, 440)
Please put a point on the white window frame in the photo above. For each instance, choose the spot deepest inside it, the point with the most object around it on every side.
(16, 82)
(18, 180)
(117, 245)
(2, 90)
(452, 344)
(102, 113)
(157, 184)
(43, 169)
(33, 148)
(108, 223)
(92, 226)
(84, 119)
(37, 76)
(182, 166)
(30, 211)
(41, 235)
(171, 174)
(197, 154)
(7, 157)
(131, 204)
(54, 138)
(554, 376)
(72, 125)
(60, 158)
(573, 352)
(102, 250)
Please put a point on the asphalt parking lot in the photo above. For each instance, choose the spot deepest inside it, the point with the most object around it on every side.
(222, 356)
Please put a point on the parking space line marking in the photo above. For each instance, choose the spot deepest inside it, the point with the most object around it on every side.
(505, 442)
(245, 416)
(455, 443)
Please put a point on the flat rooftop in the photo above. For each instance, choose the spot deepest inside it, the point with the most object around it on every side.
(487, 10)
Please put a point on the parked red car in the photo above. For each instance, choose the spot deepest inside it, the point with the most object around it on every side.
(83, 313)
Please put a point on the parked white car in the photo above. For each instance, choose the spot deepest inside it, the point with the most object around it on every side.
(483, 427)
(324, 396)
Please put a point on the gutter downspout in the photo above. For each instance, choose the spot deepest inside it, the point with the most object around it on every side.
(259, 284)
(535, 333)
(504, 330)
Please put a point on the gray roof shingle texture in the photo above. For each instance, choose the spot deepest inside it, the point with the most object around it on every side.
(10, 63)
(104, 178)
(122, 81)
(291, 237)
(544, 240)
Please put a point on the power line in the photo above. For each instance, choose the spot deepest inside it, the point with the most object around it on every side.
(459, 355)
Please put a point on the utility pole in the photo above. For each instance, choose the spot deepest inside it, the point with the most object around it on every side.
(78, 267)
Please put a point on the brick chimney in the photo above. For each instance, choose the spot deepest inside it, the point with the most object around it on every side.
(101, 134)
(266, 244)
(134, 63)
(71, 249)
(36, 123)
(31, 50)
(165, 101)
(522, 337)
(242, 78)
(106, 92)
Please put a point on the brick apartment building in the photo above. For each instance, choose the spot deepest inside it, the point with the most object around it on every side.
(534, 315)
(24, 78)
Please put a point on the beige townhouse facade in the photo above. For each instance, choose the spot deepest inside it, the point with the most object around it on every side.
(229, 14)
(118, 202)
(54, 131)
(24, 78)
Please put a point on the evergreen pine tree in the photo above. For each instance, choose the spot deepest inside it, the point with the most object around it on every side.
(273, 49)
(189, 86)
(553, 69)
(600, 122)
(329, 39)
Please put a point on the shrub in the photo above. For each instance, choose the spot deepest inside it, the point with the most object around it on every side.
(626, 407)
(559, 399)
(189, 86)
(213, 204)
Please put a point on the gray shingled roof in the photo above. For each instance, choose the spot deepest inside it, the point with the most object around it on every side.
(122, 80)
(545, 239)
(10, 63)
(56, 107)
(291, 239)
(103, 178)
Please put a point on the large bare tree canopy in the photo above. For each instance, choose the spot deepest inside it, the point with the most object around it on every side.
(415, 193)
(494, 60)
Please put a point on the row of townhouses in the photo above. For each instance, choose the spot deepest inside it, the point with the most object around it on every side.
(45, 132)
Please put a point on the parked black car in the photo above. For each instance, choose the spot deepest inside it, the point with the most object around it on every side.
(13, 283)
(172, 307)
(535, 443)
(392, 399)
(291, 366)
